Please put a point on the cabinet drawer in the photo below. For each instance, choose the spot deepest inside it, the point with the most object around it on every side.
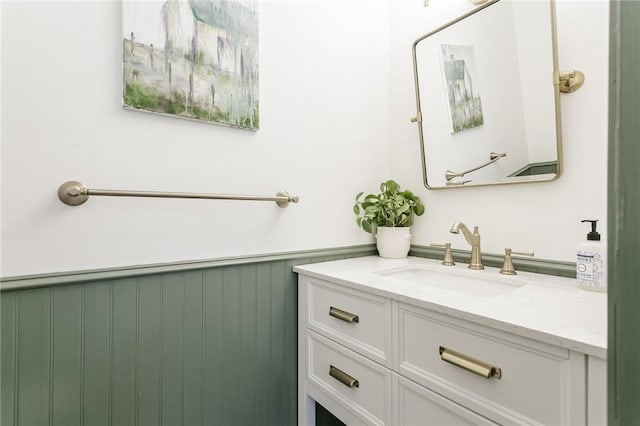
(537, 382)
(358, 320)
(416, 404)
(357, 384)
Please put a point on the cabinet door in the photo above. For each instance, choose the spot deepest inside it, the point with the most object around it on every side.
(417, 405)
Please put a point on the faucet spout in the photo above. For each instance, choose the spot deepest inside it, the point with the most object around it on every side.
(472, 238)
(474, 241)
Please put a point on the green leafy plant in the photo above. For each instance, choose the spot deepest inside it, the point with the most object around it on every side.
(391, 207)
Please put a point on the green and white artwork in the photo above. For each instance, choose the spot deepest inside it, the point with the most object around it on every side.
(458, 70)
(195, 59)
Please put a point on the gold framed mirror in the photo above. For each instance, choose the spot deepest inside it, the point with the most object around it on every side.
(488, 98)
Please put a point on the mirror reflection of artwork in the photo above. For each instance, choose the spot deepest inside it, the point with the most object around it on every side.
(465, 106)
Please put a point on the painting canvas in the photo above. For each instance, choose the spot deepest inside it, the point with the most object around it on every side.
(195, 59)
(459, 70)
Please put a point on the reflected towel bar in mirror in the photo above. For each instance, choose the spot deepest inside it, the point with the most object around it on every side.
(493, 157)
(74, 193)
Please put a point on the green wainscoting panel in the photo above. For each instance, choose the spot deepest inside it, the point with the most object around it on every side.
(96, 384)
(173, 349)
(149, 350)
(67, 355)
(8, 359)
(124, 351)
(212, 343)
(193, 361)
(33, 369)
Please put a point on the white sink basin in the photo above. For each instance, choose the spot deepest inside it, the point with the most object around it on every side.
(454, 278)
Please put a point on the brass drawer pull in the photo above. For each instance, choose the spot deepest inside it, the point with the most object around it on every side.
(478, 367)
(343, 315)
(343, 377)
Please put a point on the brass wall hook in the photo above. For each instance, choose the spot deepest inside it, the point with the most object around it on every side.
(570, 81)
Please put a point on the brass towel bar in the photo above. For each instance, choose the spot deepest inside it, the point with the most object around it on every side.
(74, 193)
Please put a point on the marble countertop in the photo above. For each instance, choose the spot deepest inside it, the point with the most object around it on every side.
(546, 308)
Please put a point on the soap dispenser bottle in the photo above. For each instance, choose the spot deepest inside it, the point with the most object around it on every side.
(591, 266)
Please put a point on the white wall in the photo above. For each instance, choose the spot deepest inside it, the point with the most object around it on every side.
(336, 97)
(324, 136)
(544, 217)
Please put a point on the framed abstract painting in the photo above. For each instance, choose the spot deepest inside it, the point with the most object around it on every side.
(194, 59)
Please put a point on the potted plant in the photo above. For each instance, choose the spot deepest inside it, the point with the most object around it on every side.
(389, 215)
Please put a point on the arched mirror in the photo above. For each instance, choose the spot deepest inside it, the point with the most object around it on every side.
(487, 97)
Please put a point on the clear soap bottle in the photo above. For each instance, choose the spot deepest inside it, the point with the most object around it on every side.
(591, 265)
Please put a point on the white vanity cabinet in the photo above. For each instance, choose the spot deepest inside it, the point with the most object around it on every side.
(372, 358)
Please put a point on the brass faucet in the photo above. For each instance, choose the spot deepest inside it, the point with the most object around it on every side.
(473, 240)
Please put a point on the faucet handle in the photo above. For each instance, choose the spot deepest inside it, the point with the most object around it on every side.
(507, 266)
(448, 258)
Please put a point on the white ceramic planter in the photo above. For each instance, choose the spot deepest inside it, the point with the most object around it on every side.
(393, 243)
